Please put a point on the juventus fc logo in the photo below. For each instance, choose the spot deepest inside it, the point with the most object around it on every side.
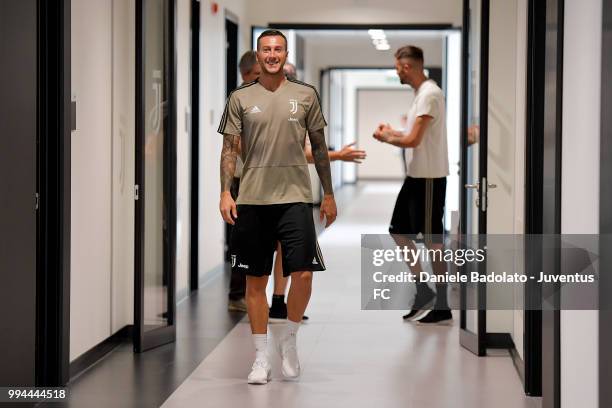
(293, 106)
(233, 260)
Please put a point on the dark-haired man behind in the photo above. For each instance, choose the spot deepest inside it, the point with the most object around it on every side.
(270, 118)
(249, 71)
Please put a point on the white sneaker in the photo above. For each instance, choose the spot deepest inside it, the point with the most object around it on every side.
(261, 372)
(290, 365)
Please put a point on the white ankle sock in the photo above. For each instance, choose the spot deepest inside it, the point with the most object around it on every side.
(261, 345)
(291, 329)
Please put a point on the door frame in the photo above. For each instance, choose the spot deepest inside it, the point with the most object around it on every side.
(605, 212)
(54, 189)
(233, 19)
(531, 365)
(550, 69)
(474, 342)
(543, 193)
(194, 276)
(167, 334)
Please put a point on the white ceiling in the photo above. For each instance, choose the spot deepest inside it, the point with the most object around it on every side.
(333, 48)
(340, 40)
(361, 36)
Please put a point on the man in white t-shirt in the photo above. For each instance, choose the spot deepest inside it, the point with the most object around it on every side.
(419, 208)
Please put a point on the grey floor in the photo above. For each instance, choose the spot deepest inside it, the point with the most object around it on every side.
(124, 379)
(353, 358)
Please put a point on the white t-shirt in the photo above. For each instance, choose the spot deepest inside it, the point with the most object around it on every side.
(430, 157)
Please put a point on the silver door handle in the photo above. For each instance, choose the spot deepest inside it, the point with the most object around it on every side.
(473, 186)
(491, 185)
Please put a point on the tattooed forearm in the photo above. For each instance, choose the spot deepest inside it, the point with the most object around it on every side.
(321, 159)
(229, 153)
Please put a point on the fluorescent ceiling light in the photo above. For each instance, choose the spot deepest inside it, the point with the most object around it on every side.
(377, 33)
(379, 39)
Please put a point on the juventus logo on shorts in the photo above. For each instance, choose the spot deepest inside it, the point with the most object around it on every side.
(233, 260)
(293, 106)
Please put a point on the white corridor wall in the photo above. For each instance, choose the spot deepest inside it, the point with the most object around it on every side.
(580, 188)
(212, 101)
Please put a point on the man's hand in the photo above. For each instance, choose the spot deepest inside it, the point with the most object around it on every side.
(383, 132)
(227, 206)
(350, 154)
(473, 134)
(328, 210)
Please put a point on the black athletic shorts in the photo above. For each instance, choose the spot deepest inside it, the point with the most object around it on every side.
(419, 208)
(259, 227)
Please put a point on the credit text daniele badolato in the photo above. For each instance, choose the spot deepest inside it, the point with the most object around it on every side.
(477, 277)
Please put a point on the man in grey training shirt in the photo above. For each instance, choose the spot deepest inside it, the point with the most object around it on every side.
(269, 117)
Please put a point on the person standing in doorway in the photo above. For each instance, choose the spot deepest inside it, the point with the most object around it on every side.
(269, 118)
(419, 209)
(249, 71)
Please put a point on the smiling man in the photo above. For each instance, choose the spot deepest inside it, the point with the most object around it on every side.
(270, 117)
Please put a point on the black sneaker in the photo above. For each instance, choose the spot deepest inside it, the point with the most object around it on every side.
(437, 317)
(279, 312)
(423, 302)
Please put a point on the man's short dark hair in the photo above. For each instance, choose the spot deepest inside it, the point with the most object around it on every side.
(247, 62)
(411, 52)
(272, 33)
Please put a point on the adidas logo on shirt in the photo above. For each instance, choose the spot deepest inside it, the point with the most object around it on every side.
(254, 109)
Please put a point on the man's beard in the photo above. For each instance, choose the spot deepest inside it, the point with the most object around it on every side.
(406, 81)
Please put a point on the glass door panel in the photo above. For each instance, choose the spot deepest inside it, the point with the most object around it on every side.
(473, 166)
(155, 175)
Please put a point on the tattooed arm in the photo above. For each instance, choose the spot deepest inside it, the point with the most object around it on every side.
(321, 162)
(321, 159)
(229, 153)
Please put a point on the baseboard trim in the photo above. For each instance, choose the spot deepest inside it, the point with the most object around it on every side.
(96, 353)
(499, 341)
(519, 364)
(182, 294)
